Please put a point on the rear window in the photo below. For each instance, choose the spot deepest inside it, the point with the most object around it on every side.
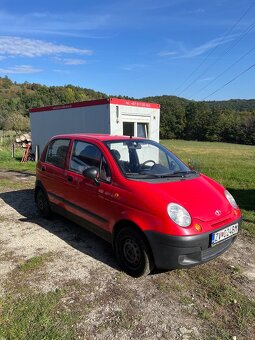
(57, 151)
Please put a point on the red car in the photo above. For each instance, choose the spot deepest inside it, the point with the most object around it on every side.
(136, 194)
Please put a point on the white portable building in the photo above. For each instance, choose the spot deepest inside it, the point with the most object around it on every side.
(110, 116)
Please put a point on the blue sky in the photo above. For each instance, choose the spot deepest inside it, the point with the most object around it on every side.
(189, 48)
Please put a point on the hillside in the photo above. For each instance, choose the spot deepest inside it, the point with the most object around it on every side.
(21, 97)
(234, 104)
(238, 105)
(230, 121)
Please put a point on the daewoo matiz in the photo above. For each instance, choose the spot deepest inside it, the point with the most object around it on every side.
(139, 196)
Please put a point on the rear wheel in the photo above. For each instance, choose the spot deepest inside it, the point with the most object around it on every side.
(42, 204)
(133, 253)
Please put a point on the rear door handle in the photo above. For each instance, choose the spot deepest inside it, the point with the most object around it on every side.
(69, 178)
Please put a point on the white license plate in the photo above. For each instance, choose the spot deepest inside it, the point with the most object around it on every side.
(225, 233)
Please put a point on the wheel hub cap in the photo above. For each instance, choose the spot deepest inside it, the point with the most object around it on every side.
(132, 252)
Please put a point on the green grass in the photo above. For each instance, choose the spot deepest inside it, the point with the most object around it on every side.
(27, 314)
(9, 163)
(232, 165)
(9, 184)
(228, 309)
(35, 316)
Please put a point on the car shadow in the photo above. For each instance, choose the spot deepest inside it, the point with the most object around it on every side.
(77, 237)
(20, 173)
(244, 198)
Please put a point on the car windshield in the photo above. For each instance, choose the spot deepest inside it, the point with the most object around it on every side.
(146, 159)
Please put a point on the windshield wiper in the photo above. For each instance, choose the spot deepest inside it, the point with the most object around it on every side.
(150, 175)
(138, 175)
(179, 173)
(187, 172)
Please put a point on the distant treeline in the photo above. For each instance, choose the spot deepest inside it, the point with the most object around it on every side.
(227, 121)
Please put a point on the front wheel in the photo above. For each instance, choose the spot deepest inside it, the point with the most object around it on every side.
(133, 253)
(42, 204)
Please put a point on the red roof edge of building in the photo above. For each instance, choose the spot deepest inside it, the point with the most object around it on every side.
(116, 101)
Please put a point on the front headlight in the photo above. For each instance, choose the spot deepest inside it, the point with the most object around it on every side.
(179, 214)
(231, 199)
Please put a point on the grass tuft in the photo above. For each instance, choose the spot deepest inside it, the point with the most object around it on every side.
(34, 262)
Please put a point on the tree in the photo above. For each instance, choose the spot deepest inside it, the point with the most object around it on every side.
(15, 121)
(198, 116)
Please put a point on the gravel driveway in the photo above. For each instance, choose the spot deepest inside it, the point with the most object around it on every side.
(110, 304)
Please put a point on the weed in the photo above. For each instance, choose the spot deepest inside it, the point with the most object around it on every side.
(204, 314)
(180, 272)
(9, 255)
(186, 300)
(3, 219)
(120, 275)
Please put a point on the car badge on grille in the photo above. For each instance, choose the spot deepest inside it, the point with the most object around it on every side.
(217, 212)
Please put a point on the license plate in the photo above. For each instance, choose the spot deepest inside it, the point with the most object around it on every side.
(223, 234)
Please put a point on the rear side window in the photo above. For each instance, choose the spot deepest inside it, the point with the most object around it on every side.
(57, 151)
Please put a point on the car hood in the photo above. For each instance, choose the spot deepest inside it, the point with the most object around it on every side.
(201, 196)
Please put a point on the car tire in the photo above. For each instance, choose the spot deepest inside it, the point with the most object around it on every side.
(133, 253)
(42, 204)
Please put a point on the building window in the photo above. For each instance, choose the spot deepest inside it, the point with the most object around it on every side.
(128, 129)
(142, 130)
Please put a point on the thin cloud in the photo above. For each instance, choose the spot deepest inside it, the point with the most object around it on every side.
(195, 11)
(166, 54)
(62, 71)
(207, 79)
(131, 67)
(23, 47)
(197, 51)
(70, 61)
(20, 69)
(70, 24)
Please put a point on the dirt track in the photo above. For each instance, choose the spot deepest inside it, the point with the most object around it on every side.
(162, 305)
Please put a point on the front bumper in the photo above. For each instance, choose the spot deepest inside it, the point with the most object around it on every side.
(172, 252)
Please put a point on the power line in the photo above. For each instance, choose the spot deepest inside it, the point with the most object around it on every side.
(230, 81)
(227, 69)
(212, 51)
(226, 51)
(220, 57)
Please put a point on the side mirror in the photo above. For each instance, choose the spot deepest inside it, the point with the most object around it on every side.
(92, 173)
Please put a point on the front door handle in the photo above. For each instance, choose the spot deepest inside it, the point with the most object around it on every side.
(69, 178)
(43, 168)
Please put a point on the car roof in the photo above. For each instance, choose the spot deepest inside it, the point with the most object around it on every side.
(101, 137)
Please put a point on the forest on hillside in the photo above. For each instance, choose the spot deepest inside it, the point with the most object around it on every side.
(227, 121)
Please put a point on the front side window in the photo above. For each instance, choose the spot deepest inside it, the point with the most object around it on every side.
(57, 151)
(85, 155)
(146, 159)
